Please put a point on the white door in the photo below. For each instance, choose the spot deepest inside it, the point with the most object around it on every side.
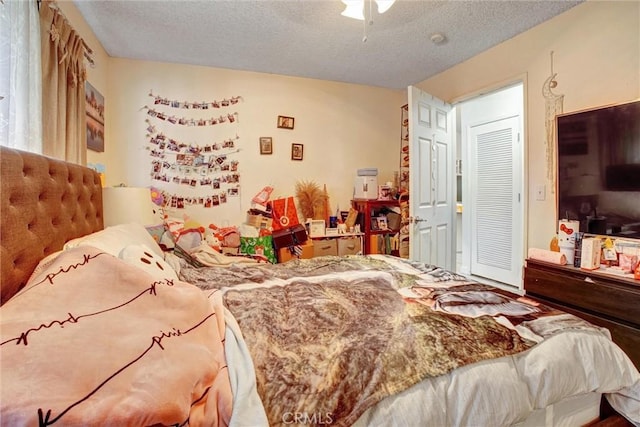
(493, 176)
(432, 198)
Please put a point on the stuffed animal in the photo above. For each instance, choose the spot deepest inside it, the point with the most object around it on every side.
(229, 237)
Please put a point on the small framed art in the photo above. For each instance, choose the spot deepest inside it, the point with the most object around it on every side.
(285, 122)
(382, 223)
(94, 103)
(266, 145)
(296, 151)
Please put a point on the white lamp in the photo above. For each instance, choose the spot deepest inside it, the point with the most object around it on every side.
(123, 205)
(355, 8)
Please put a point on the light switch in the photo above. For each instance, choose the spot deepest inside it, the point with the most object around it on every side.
(540, 192)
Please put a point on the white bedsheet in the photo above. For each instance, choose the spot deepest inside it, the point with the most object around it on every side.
(506, 391)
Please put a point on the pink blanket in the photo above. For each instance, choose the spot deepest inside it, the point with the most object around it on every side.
(92, 340)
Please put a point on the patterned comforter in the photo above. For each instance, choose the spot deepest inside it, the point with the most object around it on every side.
(332, 336)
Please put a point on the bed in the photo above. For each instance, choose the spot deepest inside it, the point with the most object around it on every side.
(99, 327)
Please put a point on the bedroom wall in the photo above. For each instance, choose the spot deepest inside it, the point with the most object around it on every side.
(596, 49)
(596, 55)
(343, 126)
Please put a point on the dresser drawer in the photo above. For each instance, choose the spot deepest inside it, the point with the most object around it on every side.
(584, 291)
(626, 337)
(349, 246)
(323, 247)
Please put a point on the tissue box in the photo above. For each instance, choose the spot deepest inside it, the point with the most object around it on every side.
(590, 253)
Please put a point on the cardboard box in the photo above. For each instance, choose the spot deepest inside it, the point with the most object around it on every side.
(349, 246)
(258, 221)
(323, 247)
(590, 253)
(306, 252)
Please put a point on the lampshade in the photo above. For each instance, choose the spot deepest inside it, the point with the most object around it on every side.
(355, 8)
(123, 205)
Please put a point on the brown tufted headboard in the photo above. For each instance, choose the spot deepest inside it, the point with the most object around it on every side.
(45, 203)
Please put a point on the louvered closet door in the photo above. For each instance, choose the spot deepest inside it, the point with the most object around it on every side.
(495, 248)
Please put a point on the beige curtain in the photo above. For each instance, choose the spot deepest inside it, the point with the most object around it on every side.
(64, 122)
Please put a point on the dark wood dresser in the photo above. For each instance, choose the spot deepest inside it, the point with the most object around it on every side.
(604, 299)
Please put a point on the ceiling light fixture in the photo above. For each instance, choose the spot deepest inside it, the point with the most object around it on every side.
(355, 8)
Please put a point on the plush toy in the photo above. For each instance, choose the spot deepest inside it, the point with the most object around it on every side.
(213, 241)
(186, 232)
(229, 237)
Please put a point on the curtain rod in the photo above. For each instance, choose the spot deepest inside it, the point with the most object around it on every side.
(87, 51)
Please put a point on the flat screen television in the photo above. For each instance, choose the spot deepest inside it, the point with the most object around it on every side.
(599, 169)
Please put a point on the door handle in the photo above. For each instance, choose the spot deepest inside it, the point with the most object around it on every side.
(415, 219)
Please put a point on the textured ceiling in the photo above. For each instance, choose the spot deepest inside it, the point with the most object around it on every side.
(309, 38)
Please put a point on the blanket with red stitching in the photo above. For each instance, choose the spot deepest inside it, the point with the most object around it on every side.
(92, 340)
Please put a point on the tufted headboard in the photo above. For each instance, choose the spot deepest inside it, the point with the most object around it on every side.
(45, 203)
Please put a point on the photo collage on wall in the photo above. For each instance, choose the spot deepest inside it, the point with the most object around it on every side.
(206, 166)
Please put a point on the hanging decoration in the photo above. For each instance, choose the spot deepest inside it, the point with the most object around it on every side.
(170, 144)
(553, 107)
(178, 201)
(207, 166)
(185, 121)
(158, 100)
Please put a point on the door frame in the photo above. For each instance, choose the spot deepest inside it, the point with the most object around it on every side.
(465, 263)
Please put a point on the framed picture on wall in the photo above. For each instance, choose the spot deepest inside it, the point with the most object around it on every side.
(94, 103)
(285, 122)
(296, 151)
(266, 145)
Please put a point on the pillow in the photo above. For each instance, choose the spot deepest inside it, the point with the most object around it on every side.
(144, 258)
(115, 238)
